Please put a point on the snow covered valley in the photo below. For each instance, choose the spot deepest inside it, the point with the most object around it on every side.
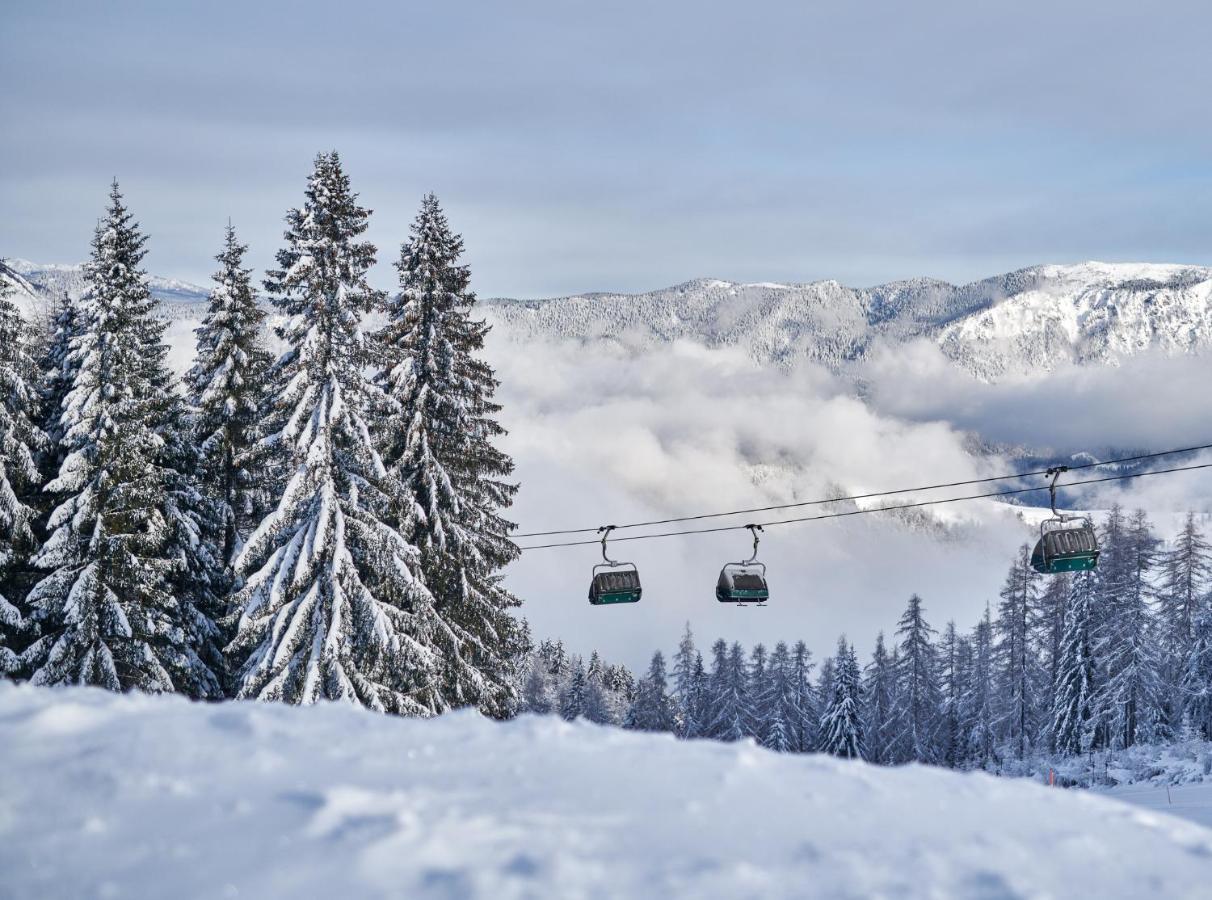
(105, 795)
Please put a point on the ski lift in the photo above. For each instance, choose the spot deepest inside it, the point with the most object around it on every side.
(616, 582)
(1066, 543)
(744, 582)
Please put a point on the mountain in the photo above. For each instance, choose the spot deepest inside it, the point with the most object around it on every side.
(1022, 322)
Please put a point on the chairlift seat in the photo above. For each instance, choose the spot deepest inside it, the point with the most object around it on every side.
(742, 583)
(1065, 545)
(618, 584)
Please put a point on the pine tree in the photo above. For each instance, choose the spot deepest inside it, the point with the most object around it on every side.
(1196, 683)
(107, 610)
(572, 702)
(916, 718)
(778, 702)
(952, 683)
(653, 709)
(332, 608)
(1185, 572)
(756, 689)
(228, 391)
(842, 722)
(21, 442)
(806, 714)
(437, 442)
(1073, 698)
(980, 701)
(879, 693)
(729, 710)
(1018, 667)
(58, 366)
(1132, 695)
(683, 685)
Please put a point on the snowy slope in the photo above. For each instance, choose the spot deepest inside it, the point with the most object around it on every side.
(137, 796)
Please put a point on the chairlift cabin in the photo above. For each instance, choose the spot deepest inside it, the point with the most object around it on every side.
(613, 582)
(744, 582)
(1066, 543)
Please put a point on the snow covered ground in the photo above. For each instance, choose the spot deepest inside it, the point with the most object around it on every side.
(138, 796)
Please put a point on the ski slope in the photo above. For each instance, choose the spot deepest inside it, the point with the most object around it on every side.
(138, 796)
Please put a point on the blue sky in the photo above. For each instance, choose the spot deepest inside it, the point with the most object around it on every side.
(616, 146)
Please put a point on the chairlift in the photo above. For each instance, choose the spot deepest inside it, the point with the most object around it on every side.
(613, 582)
(1066, 543)
(744, 582)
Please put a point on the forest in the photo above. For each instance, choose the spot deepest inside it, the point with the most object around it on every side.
(330, 523)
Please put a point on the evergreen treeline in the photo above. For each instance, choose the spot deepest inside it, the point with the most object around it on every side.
(326, 525)
(1062, 665)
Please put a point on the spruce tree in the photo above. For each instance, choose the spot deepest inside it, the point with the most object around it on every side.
(806, 714)
(778, 702)
(332, 607)
(879, 692)
(21, 442)
(107, 609)
(438, 444)
(1132, 697)
(842, 722)
(653, 709)
(1073, 698)
(58, 365)
(1196, 683)
(916, 717)
(1018, 667)
(1185, 571)
(227, 388)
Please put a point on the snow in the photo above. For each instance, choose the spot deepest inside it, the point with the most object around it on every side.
(135, 795)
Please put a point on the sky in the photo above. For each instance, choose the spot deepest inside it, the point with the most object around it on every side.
(623, 146)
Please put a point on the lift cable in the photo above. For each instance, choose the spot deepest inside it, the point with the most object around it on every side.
(803, 503)
(878, 509)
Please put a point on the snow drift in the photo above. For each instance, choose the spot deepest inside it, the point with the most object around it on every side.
(141, 796)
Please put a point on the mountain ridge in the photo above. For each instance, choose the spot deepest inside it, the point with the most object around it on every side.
(1026, 321)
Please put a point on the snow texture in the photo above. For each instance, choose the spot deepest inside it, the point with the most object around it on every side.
(143, 796)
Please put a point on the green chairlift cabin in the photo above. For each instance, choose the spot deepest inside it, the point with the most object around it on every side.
(613, 582)
(1066, 543)
(743, 583)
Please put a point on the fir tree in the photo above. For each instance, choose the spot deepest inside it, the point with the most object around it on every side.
(653, 709)
(1073, 698)
(332, 608)
(879, 692)
(106, 609)
(683, 684)
(21, 442)
(980, 700)
(842, 722)
(916, 718)
(437, 443)
(572, 702)
(1196, 683)
(777, 701)
(806, 715)
(1018, 667)
(1185, 571)
(228, 391)
(1132, 696)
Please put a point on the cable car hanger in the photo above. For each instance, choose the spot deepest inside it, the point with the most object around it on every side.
(1066, 543)
(613, 581)
(743, 583)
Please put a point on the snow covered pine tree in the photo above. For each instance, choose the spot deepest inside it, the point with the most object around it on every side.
(332, 608)
(21, 441)
(437, 445)
(227, 387)
(107, 608)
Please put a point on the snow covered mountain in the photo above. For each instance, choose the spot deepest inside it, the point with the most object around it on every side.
(1019, 323)
(135, 795)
